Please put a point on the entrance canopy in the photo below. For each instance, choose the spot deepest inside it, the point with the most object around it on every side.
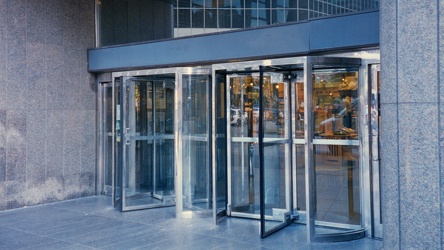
(345, 32)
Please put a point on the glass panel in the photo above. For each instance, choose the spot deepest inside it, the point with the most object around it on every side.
(274, 105)
(198, 18)
(335, 104)
(138, 185)
(210, 3)
(275, 194)
(149, 143)
(184, 3)
(337, 185)
(276, 191)
(195, 143)
(184, 18)
(300, 177)
(244, 94)
(108, 132)
(211, 18)
(299, 109)
(117, 178)
(263, 17)
(278, 16)
(224, 18)
(237, 18)
(245, 177)
(221, 148)
(198, 3)
(163, 176)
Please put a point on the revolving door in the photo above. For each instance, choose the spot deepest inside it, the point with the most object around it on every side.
(294, 134)
(162, 137)
(147, 158)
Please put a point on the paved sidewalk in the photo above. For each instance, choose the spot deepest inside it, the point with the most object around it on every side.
(92, 223)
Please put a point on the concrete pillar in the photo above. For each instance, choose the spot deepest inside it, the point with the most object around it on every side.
(412, 139)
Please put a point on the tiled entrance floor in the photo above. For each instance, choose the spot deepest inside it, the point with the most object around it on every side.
(92, 223)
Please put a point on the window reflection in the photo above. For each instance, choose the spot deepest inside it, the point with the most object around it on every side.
(335, 104)
(118, 25)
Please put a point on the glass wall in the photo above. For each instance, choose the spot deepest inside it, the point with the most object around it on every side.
(127, 21)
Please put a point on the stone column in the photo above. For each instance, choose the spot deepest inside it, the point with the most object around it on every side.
(411, 72)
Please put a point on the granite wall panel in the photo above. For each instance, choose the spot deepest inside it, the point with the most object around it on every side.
(388, 49)
(441, 109)
(36, 148)
(2, 195)
(411, 93)
(417, 21)
(72, 147)
(36, 76)
(54, 24)
(54, 145)
(419, 176)
(389, 176)
(35, 21)
(46, 101)
(16, 145)
(2, 146)
(3, 53)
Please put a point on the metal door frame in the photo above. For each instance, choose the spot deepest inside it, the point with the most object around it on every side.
(181, 212)
(124, 76)
(103, 135)
(374, 129)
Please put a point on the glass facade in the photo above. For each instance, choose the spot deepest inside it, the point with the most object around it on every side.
(127, 21)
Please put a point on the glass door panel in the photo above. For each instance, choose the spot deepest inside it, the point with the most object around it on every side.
(334, 127)
(375, 128)
(220, 147)
(337, 185)
(275, 149)
(196, 160)
(147, 112)
(163, 158)
(108, 138)
(242, 127)
(298, 150)
(117, 159)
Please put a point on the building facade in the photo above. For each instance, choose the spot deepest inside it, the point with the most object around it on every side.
(233, 94)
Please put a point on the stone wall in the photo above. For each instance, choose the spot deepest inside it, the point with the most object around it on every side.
(411, 41)
(47, 101)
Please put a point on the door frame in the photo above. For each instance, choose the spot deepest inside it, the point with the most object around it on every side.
(121, 77)
(181, 210)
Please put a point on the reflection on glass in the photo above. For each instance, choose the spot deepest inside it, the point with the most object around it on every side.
(149, 114)
(195, 143)
(275, 189)
(244, 122)
(337, 184)
(299, 107)
(335, 104)
(118, 133)
(300, 177)
(221, 145)
(108, 127)
(245, 177)
(244, 115)
(244, 111)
